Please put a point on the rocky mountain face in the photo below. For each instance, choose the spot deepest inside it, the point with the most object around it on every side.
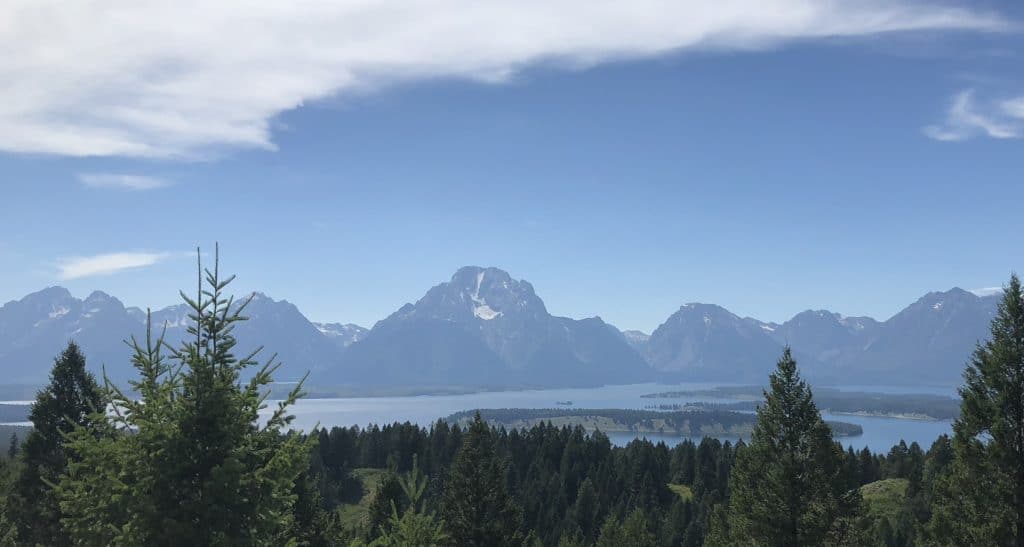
(825, 338)
(708, 342)
(929, 341)
(35, 329)
(483, 328)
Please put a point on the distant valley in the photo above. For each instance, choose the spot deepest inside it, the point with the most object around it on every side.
(485, 329)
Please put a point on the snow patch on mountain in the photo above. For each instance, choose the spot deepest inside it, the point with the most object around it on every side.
(481, 310)
(181, 321)
(485, 312)
(345, 334)
(636, 336)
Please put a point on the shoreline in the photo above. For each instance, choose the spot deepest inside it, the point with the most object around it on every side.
(893, 415)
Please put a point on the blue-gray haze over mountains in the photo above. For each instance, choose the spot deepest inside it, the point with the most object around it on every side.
(485, 329)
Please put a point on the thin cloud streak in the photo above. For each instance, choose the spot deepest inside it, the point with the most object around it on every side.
(106, 264)
(966, 119)
(187, 79)
(120, 181)
(1014, 107)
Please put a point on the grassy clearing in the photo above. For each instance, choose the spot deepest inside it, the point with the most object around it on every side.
(353, 514)
(681, 490)
(884, 498)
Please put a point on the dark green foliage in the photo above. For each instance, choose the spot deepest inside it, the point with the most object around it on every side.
(980, 501)
(476, 506)
(312, 525)
(634, 531)
(571, 540)
(611, 533)
(65, 404)
(566, 481)
(787, 487)
(8, 471)
(188, 461)
(897, 490)
(387, 496)
(416, 525)
(12, 447)
(584, 512)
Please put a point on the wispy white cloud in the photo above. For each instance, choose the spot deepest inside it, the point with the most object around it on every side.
(121, 181)
(1014, 107)
(105, 264)
(966, 118)
(146, 78)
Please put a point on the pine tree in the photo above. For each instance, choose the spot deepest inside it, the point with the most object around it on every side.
(584, 512)
(611, 533)
(787, 487)
(636, 530)
(980, 501)
(12, 447)
(571, 540)
(476, 506)
(65, 404)
(8, 532)
(187, 459)
(416, 525)
(388, 494)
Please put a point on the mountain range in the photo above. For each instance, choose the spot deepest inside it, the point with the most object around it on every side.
(482, 328)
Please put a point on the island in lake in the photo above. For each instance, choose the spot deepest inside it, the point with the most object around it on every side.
(613, 420)
(918, 406)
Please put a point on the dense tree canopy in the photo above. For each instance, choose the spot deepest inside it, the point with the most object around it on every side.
(68, 402)
(476, 506)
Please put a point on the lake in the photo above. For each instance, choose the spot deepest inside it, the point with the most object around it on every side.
(880, 434)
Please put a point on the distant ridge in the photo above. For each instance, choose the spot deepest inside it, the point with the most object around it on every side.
(485, 328)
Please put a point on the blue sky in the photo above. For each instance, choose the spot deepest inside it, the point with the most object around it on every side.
(832, 161)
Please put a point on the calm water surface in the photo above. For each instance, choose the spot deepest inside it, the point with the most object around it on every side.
(880, 434)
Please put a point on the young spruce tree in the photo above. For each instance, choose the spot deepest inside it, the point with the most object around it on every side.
(415, 525)
(68, 402)
(980, 500)
(186, 459)
(476, 506)
(786, 488)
